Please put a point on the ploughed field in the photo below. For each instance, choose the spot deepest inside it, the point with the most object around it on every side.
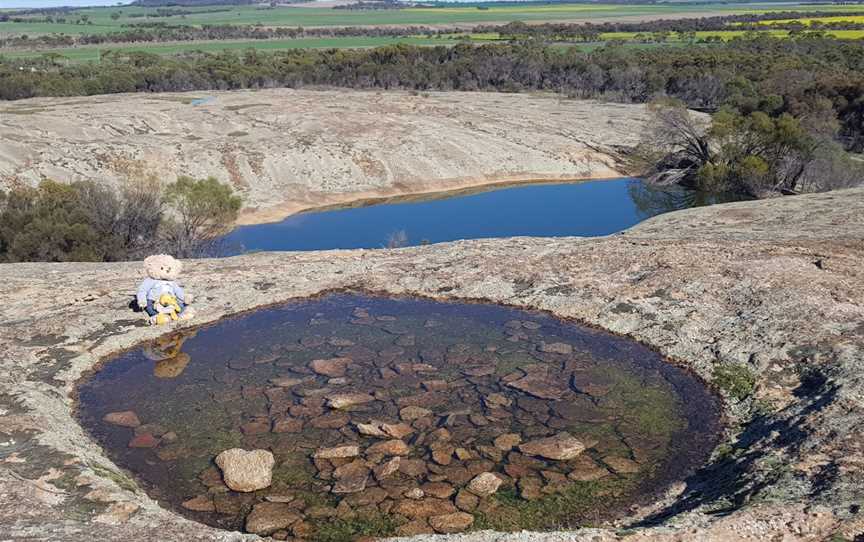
(400, 416)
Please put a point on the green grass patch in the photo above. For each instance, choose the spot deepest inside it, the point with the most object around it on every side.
(735, 379)
(94, 54)
(340, 530)
(559, 510)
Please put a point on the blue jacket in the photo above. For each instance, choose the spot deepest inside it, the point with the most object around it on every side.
(152, 288)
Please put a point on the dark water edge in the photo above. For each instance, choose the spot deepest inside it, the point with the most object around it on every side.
(178, 390)
(593, 208)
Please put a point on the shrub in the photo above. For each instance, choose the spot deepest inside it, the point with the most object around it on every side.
(200, 211)
(735, 379)
(84, 221)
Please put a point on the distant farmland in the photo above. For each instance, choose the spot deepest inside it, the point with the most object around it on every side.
(115, 19)
(96, 21)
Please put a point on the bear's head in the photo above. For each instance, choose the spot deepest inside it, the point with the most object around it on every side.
(162, 267)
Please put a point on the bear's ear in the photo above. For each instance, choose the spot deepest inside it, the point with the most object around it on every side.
(151, 265)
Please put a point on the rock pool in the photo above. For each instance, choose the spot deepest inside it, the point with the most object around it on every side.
(400, 416)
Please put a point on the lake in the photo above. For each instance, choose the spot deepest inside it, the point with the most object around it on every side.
(543, 210)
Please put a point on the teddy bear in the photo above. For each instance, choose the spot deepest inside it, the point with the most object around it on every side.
(159, 294)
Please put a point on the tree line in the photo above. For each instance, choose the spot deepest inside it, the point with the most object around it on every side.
(157, 32)
(802, 77)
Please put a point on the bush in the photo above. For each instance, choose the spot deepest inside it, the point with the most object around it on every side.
(84, 221)
(754, 154)
(736, 380)
(201, 211)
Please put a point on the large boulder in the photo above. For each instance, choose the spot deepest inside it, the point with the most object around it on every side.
(246, 471)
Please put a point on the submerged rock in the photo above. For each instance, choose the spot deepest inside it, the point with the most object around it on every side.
(451, 523)
(246, 471)
(351, 478)
(555, 348)
(586, 470)
(560, 447)
(387, 469)
(201, 503)
(389, 448)
(337, 452)
(144, 440)
(621, 465)
(268, 517)
(424, 507)
(542, 386)
(127, 418)
(484, 484)
(507, 441)
(412, 412)
(333, 367)
(345, 400)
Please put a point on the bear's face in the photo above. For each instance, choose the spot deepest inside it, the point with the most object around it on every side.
(162, 267)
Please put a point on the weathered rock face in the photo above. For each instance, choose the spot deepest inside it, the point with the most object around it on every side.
(286, 149)
(769, 287)
(246, 470)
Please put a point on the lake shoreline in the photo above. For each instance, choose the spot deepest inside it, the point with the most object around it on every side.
(428, 192)
(286, 150)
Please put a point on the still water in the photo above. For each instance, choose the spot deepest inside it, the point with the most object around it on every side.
(549, 210)
(419, 398)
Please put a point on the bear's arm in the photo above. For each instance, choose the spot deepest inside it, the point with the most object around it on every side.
(178, 291)
(141, 296)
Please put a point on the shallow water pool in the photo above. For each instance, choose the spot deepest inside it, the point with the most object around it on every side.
(421, 397)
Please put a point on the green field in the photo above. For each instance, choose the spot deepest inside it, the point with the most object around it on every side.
(101, 21)
(810, 20)
(727, 35)
(100, 18)
(83, 54)
(94, 53)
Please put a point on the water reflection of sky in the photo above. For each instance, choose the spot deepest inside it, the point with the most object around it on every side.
(573, 209)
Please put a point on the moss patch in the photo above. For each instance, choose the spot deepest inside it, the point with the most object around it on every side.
(738, 381)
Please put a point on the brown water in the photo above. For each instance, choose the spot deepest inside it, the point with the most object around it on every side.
(491, 380)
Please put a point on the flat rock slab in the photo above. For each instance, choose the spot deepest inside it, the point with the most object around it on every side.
(287, 149)
(733, 285)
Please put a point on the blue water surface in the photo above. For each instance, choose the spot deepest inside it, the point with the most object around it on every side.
(549, 210)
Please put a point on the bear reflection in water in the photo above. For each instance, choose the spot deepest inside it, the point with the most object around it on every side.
(166, 352)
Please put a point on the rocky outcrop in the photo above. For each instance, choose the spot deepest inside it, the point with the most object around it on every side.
(766, 293)
(285, 150)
